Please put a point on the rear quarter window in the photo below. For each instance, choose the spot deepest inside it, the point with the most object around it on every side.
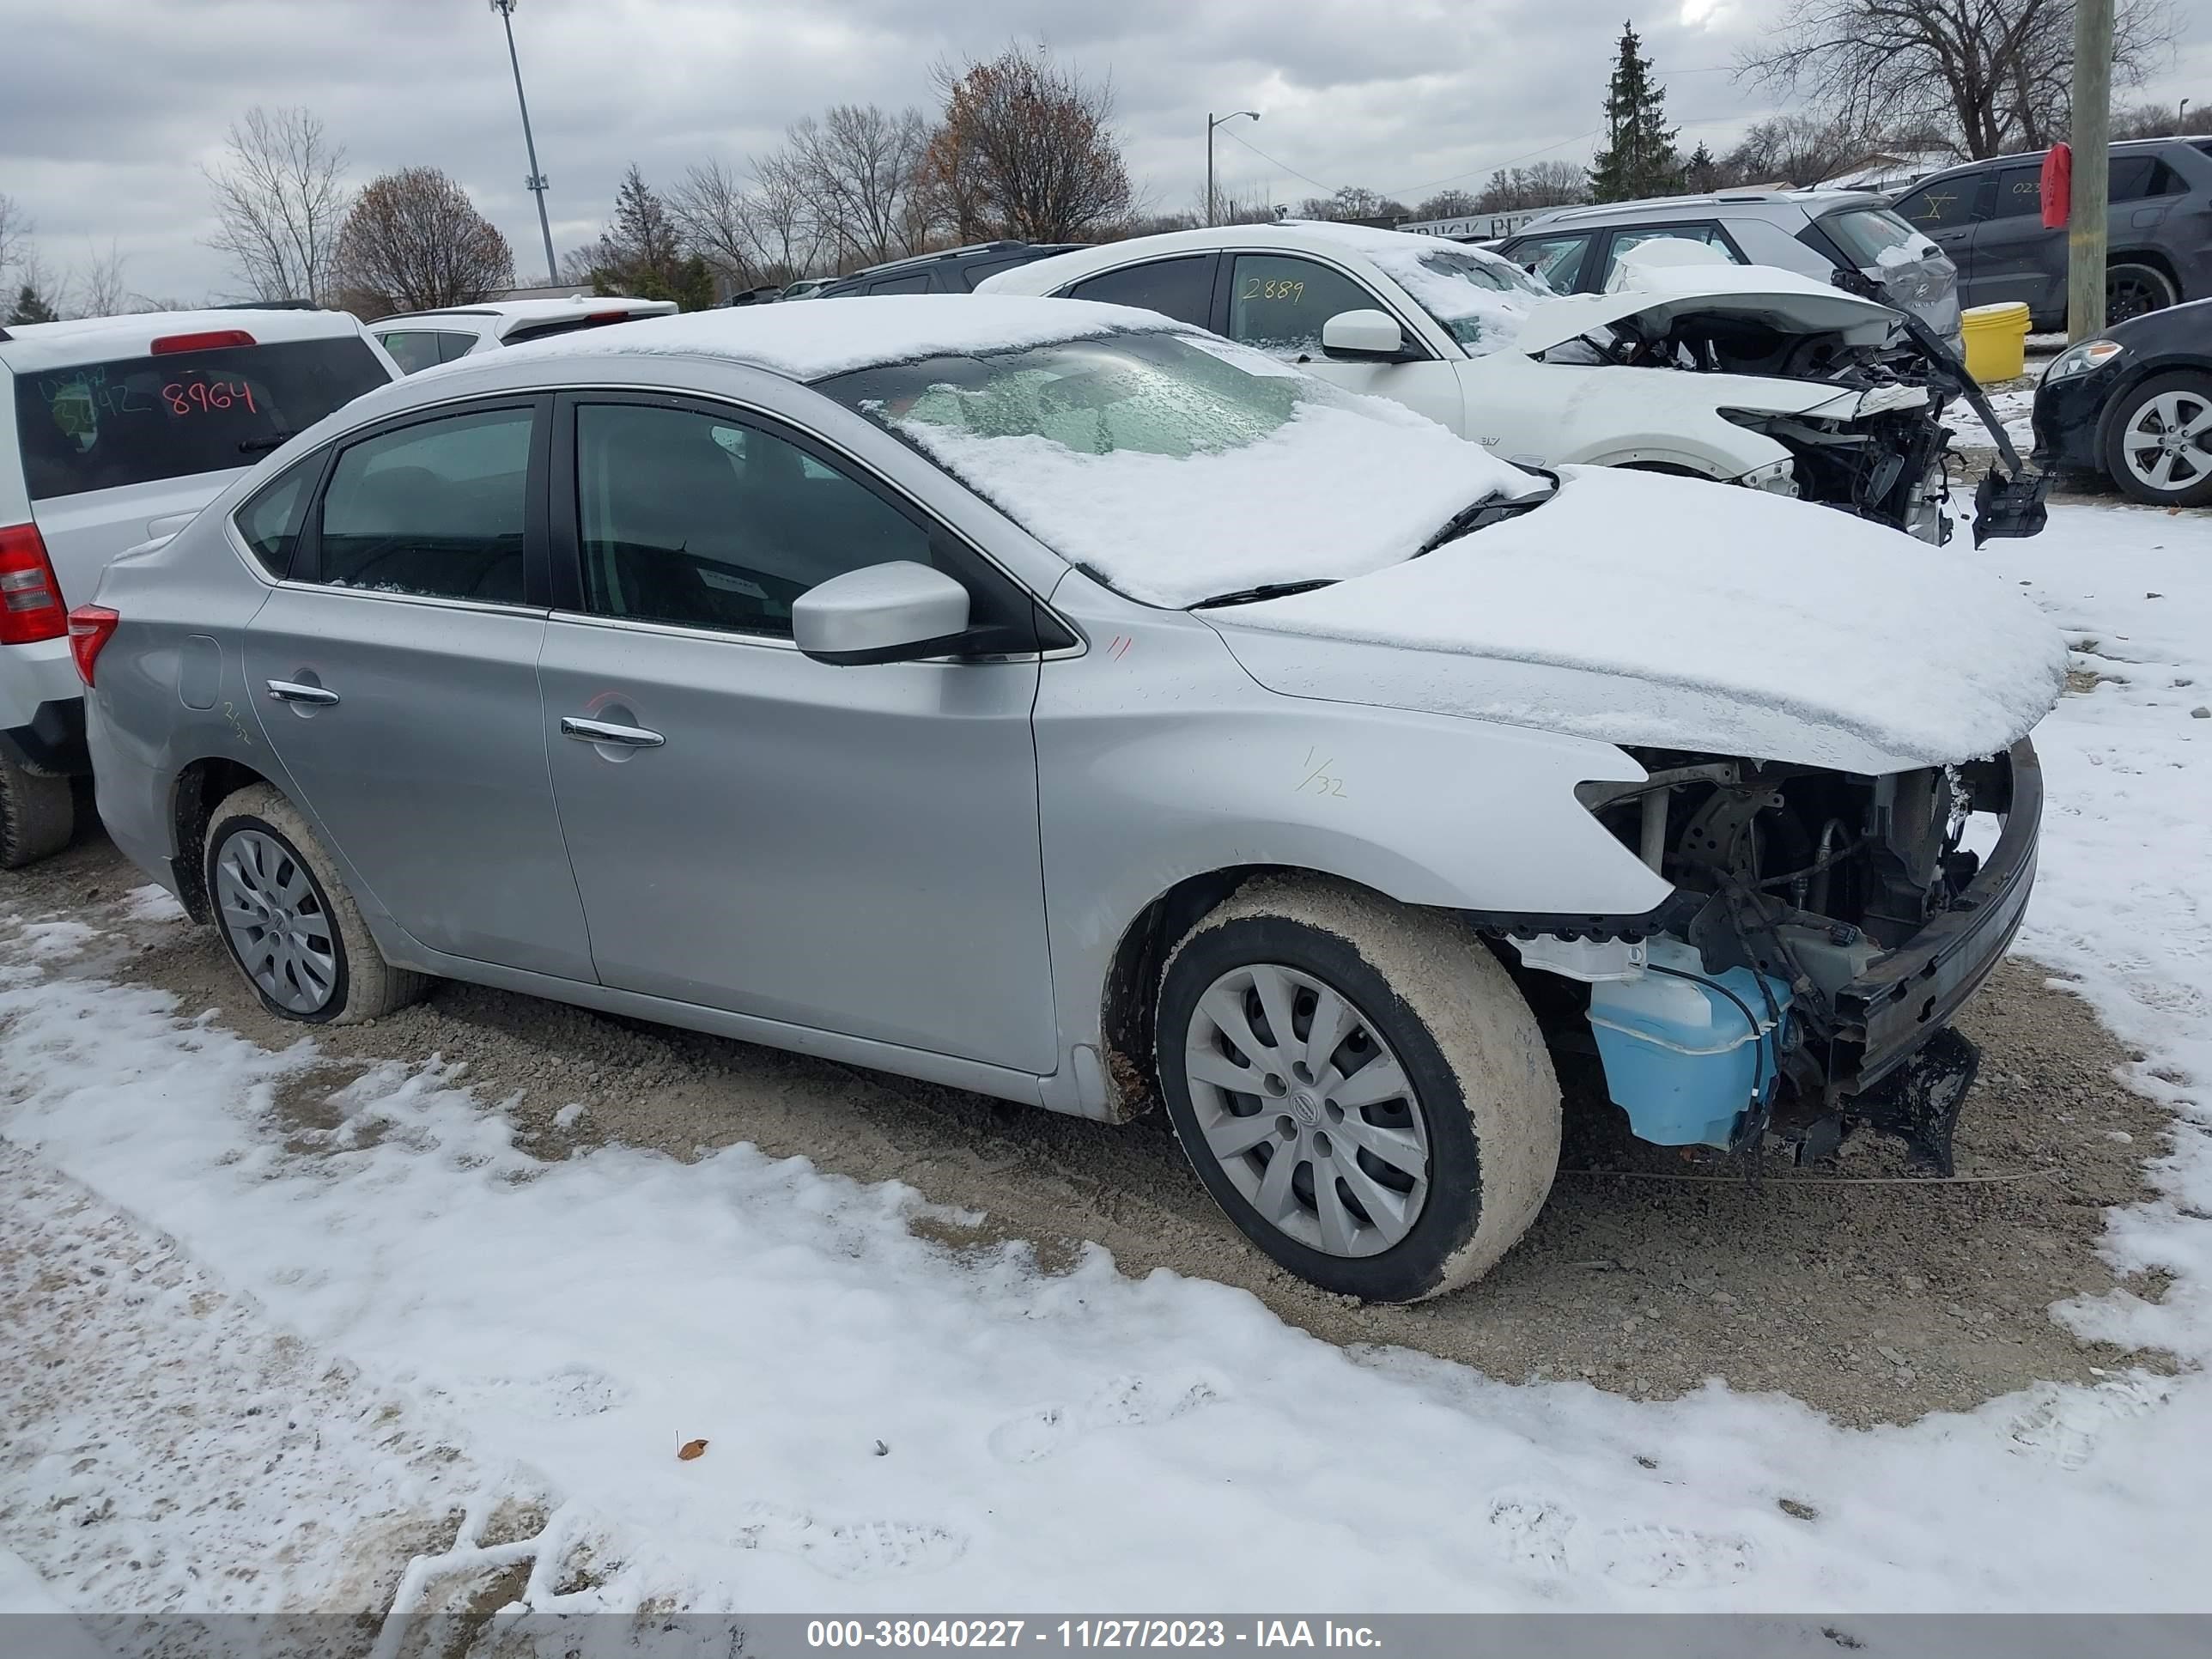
(271, 519)
(98, 426)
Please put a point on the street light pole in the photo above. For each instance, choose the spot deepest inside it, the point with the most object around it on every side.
(536, 182)
(1211, 122)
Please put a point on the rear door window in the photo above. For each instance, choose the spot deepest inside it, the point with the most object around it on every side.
(917, 284)
(2019, 189)
(2139, 178)
(100, 426)
(434, 509)
(1181, 288)
(1945, 204)
(1557, 259)
(1624, 241)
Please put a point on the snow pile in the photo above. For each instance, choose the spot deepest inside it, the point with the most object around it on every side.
(1685, 614)
(813, 342)
(1347, 484)
(1477, 297)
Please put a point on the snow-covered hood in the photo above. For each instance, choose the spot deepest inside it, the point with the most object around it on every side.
(1757, 293)
(1675, 613)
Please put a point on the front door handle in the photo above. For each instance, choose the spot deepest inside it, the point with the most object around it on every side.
(623, 737)
(292, 691)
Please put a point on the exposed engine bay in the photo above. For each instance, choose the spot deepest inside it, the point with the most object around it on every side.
(1822, 928)
(1883, 454)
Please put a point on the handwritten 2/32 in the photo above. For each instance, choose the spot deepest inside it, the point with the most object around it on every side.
(1319, 779)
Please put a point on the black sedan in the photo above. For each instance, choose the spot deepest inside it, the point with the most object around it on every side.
(2135, 404)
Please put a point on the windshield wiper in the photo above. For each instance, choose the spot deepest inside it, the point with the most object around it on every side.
(263, 446)
(1481, 516)
(1264, 591)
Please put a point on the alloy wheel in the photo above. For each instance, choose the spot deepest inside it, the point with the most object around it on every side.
(1306, 1109)
(2167, 442)
(277, 921)
(2128, 293)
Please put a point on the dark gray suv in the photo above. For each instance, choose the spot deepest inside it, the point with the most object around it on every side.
(1988, 217)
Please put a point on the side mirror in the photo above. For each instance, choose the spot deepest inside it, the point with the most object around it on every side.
(1364, 336)
(893, 612)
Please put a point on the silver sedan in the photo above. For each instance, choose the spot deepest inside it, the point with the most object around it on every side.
(1048, 700)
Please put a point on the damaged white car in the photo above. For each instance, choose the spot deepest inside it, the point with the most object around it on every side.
(1045, 699)
(1764, 378)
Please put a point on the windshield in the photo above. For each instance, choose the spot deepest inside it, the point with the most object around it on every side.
(1478, 298)
(1176, 467)
(1877, 237)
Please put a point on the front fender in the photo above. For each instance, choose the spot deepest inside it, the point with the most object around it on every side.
(1606, 415)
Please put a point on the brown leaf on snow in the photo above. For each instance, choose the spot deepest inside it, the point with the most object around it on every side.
(690, 1449)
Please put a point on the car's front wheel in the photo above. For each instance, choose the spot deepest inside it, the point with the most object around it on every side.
(288, 921)
(2160, 444)
(1359, 1085)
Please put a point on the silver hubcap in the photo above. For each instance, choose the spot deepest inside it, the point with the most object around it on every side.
(1306, 1110)
(276, 923)
(2168, 443)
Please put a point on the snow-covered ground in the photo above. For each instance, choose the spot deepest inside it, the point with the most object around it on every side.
(433, 1316)
(2014, 408)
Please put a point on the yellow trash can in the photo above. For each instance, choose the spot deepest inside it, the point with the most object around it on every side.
(1997, 341)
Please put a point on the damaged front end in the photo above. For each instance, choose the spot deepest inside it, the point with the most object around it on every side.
(1824, 929)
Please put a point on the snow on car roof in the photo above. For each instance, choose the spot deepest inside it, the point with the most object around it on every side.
(1406, 257)
(102, 339)
(812, 343)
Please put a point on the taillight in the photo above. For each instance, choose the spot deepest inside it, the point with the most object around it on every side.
(213, 340)
(90, 627)
(30, 598)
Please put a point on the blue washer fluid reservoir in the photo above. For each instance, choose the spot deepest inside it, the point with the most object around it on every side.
(1687, 1053)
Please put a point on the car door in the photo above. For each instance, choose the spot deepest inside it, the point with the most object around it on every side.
(851, 849)
(1946, 211)
(395, 673)
(1279, 303)
(2014, 258)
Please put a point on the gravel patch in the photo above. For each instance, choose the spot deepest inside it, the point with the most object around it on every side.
(1647, 1271)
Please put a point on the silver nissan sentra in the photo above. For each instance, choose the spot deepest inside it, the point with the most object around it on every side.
(1056, 702)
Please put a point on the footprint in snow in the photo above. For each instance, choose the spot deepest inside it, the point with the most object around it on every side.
(1533, 1534)
(855, 1549)
(2065, 1423)
(1124, 1402)
(1673, 1558)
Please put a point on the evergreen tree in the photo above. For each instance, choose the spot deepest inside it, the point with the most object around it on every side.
(1639, 160)
(1702, 172)
(32, 306)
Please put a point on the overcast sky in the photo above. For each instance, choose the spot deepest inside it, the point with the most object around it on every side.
(108, 110)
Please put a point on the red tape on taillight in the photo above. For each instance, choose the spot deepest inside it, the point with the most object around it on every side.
(30, 596)
(90, 627)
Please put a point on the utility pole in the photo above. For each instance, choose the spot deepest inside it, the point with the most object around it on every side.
(536, 182)
(1211, 122)
(2093, 125)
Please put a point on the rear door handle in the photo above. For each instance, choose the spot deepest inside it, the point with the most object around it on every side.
(292, 691)
(624, 737)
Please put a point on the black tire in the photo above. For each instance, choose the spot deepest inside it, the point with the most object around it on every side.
(361, 984)
(1483, 1093)
(2127, 445)
(38, 813)
(2134, 290)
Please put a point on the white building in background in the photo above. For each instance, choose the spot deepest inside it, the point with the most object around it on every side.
(1475, 227)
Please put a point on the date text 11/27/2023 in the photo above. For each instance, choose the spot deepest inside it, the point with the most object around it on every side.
(1073, 1634)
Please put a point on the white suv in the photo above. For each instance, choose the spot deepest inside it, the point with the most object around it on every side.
(114, 430)
(416, 339)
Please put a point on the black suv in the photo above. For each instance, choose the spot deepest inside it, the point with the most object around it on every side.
(955, 270)
(1988, 217)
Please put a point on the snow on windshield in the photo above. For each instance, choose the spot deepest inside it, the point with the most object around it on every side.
(1178, 467)
(1477, 297)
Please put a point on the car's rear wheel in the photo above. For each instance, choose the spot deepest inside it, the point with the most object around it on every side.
(38, 813)
(2159, 442)
(288, 921)
(1359, 1085)
(2131, 290)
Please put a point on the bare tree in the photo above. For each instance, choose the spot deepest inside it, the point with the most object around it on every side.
(1546, 184)
(1797, 149)
(412, 242)
(15, 232)
(279, 196)
(1352, 201)
(1026, 148)
(1447, 205)
(717, 217)
(783, 214)
(2159, 120)
(1999, 70)
(858, 166)
(98, 290)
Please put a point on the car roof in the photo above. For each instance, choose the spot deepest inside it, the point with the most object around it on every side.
(511, 313)
(2022, 157)
(27, 346)
(800, 344)
(1299, 236)
(1811, 203)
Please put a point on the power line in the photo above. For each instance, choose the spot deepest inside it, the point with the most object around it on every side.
(1415, 190)
(1285, 166)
